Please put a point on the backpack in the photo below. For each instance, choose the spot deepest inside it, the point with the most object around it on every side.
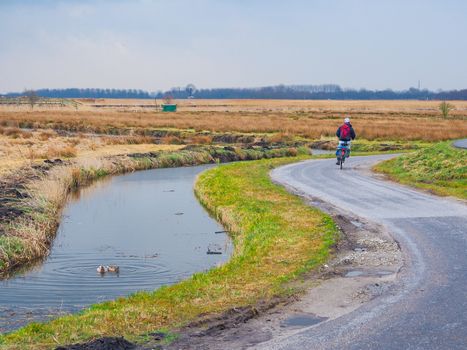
(345, 132)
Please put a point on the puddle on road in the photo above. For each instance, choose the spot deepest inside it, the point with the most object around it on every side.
(130, 221)
(356, 223)
(369, 273)
(304, 320)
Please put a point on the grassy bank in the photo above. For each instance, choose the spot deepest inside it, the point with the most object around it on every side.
(276, 237)
(440, 168)
(28, 234)
(367, 146)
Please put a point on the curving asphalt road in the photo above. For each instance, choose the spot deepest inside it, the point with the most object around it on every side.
(427, 307)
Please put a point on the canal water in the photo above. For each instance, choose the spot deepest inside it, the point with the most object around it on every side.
(149, 223)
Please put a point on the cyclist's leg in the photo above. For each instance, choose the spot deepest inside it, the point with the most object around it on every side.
(347, 152)
(338, 153)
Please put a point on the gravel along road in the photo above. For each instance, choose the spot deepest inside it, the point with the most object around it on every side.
(427, 308)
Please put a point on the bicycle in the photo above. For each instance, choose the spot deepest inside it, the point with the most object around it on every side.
(342, 152)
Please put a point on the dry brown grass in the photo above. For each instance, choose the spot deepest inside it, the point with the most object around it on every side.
(340, 106)
(281, 137)
(15, 132)
(128, 140)
(67, 152)
(27, 136)
(45, 135)
(201, 139)
(17, 151)
(403, 120)
(172, 140)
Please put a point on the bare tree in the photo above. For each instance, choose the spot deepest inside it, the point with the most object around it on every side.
(445, 108)
(31, 97)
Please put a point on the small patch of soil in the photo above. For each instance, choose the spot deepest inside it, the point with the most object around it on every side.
(105, 343)
(195, 334)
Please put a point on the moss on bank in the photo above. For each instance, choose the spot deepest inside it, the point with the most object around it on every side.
(276, 237)
(440, 168)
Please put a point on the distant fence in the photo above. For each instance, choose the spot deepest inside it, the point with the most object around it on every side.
(48, 102)
(61, 102)
(125, 106)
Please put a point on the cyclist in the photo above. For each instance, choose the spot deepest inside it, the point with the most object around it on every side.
(345, 133)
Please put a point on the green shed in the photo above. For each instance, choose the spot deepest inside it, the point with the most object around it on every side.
(169, 108)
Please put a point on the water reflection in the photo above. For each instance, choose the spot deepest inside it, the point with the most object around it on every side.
(149, 223)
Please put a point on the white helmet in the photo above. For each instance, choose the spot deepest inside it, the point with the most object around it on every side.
(347, 120)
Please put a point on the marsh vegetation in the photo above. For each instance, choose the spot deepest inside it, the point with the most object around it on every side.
(48, 152)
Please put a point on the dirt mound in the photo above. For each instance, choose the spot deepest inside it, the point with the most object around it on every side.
(105, 343)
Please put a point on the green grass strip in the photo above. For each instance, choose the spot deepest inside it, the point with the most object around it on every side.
(276, 238)
(440, 168)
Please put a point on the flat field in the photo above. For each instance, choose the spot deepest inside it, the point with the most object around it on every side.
(97, 127)
(373, 120)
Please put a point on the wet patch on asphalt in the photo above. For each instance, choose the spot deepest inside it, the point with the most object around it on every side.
(363, 273)
(302, 320)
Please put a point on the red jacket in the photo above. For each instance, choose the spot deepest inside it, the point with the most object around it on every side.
(351, 134)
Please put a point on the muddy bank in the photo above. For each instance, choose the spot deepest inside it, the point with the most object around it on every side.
(106, 343)
(14, 190)
(33, 196)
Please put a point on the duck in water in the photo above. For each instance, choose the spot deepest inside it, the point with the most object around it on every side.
(113, 268)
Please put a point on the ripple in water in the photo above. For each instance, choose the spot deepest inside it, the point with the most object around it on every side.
(128, 221)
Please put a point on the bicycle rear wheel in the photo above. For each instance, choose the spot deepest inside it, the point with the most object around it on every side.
(342, 158)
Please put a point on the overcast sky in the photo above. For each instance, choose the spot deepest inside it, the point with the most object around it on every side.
(159, 44)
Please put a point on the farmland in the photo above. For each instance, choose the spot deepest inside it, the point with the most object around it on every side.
(374, 120)
(119, 126)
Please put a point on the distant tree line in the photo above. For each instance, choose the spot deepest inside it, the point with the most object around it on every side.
(316, 92)
(296, 92)
(86, 93)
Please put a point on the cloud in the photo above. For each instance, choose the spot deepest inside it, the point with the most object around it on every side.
(77, 9)
(159, 44)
